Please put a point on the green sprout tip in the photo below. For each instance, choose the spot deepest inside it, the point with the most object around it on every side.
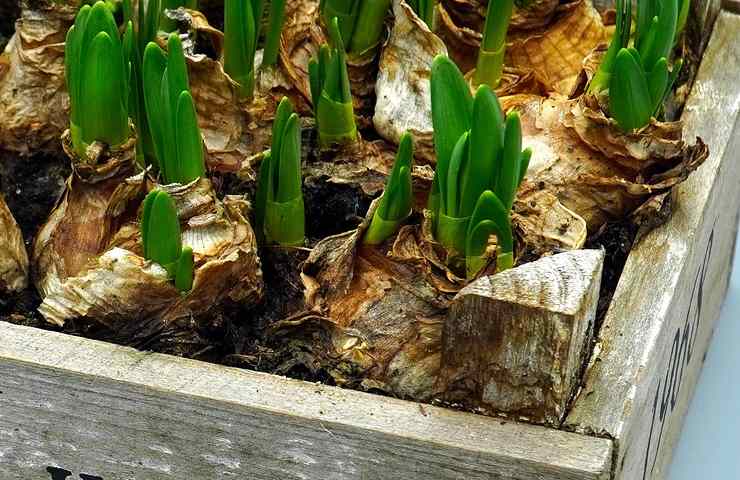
(242, 21)
(171, 113)
(480, 164)
(638, 78)
(330, 92)
(274, 29)
(98, 74)
(279, 209)
(395, 204)
(424, 9)
(162, 241)
(360, 23)
(490, 64)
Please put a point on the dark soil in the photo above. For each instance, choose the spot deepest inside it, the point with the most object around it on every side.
(30, 186)
(616, 238)
(9, 12)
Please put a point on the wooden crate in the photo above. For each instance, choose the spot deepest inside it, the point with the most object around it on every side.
(74, 407)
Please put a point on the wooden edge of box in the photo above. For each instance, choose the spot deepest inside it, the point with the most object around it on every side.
(92, 407)
(651, 346)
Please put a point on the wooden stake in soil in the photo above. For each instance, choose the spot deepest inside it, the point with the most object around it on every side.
(515, 342)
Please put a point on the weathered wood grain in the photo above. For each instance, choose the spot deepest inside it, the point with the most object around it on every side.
(99, 409)
(117, 413)
(516, 342)
(650, 351)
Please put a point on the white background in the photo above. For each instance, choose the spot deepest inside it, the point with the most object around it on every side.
(709, 448)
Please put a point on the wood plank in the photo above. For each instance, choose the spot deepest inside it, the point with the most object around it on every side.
(650, 351)
(114, 412)
(516, 342)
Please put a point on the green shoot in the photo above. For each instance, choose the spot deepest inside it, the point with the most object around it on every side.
(330, 92)
(241, 32)
(395, 204)
(424, 9)
(683, 15)
(279, 211)
(98, 75)
(275, 26)
(620, 40)
(147, 20)
(480, 165)
(490, 64)
(639, 78)
(160, 234)
(171, 113)
(360, 23)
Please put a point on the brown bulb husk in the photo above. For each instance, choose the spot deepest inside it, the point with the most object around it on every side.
(374, 315)
(403, 89)
(233, 129)
(403, 85)
(472, 14)
(90, 269)
(34, 104)
(372, 320)
(581, 158)
(553, 51)
(556, 55)
(100, 193)
(13, 255)
(301, 38)
(237, 131)
(362, 165)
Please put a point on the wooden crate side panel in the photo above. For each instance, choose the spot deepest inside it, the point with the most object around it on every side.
(650, 351)
(110, 411)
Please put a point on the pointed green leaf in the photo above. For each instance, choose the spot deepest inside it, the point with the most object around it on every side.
(104, 116)
(661, 37)
(657, 81)
(452, 110)
(489, 208)
(145, 221)
(486, 142)
(262, 195)
(620, 39)
(163, 230)
(511, 161)
(396, 201)
(629, 96)
(369, 27)
(289, 181)
(498, 16)
(189, 141)
(177, 70)
(99, 20)
(184, 272)
(343, 13)
(456, 173)
(72, 61)
(524, 164)
(153, 68)
(240, 26)
(284, 111)
(148, 21)
(275, 26)
(314, 76)
(168, 164)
